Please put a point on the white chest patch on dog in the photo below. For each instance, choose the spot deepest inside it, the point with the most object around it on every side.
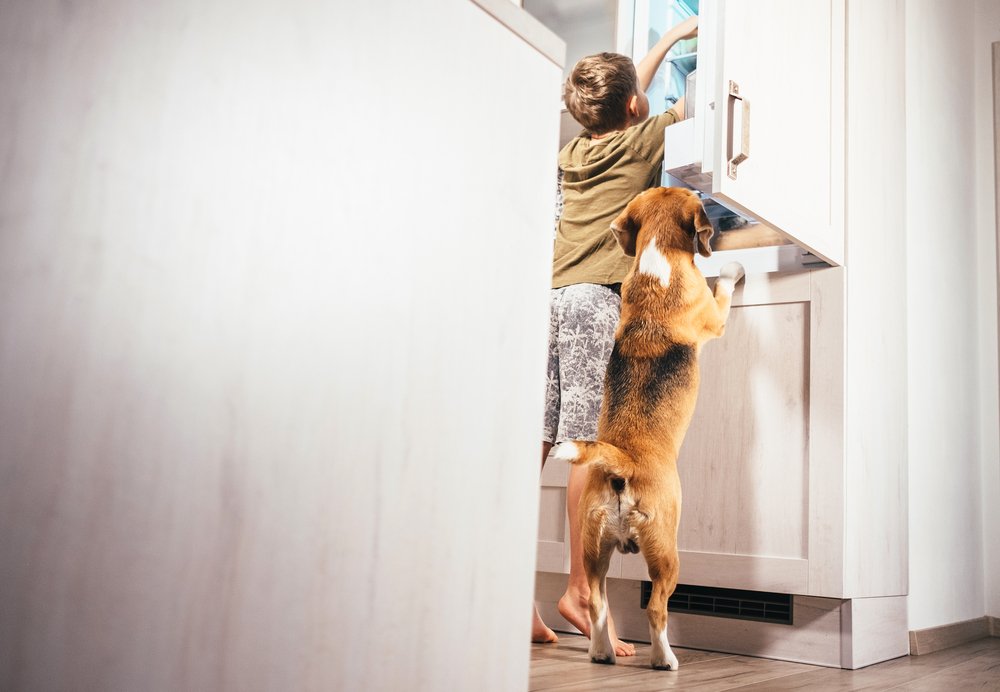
(654, 263)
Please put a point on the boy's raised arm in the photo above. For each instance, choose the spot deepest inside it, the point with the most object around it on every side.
(648, 66)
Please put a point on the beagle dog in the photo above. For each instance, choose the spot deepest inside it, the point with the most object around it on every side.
(632, 500)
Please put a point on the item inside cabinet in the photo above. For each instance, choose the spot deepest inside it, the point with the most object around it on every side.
(682, 168)
(750, 236)
(735, 232)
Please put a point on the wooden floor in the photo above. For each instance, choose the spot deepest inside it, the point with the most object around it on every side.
(566, 666)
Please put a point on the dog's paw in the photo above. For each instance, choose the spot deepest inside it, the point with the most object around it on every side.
(662, 657)
(601, 650)
(732, 271)
(668, 662)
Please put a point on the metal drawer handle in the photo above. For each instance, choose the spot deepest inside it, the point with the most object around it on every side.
(735, 160)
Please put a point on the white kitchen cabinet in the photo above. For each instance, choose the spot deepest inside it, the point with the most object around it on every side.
(768, 500)
(767, 139)
(758, 488)
(760, 480)
(794, 467)
(243, 366)
(778, 130)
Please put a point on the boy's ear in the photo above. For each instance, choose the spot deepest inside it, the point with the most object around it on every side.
(626, 229)
(633, 106)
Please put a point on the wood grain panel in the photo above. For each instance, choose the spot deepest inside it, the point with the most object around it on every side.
(876, 350)
(782, 575)
(552, 553)
(927, 641)
(744, 463)
(552, 522)
(827, 433)
(979, 673)
(877, 629)
(996, 158)
(242, 373)
(761, 463)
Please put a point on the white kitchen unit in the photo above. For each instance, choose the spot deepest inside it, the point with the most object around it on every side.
(777, 138)
(793, 468)
(755, 482)
(262, 289)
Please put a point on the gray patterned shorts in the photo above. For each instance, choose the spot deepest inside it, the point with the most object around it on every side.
(582, 323)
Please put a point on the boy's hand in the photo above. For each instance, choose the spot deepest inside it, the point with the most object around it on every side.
(648, 66)
(687, 29)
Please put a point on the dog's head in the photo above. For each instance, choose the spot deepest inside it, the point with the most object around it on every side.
(673, 214)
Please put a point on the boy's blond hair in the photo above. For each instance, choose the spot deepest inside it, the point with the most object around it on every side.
(598, 90)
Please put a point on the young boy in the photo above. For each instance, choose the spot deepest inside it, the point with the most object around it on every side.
(617, 156)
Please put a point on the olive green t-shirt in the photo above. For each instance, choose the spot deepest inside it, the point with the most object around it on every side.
(600, 177)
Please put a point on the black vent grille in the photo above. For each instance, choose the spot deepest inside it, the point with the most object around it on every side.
(727, 603)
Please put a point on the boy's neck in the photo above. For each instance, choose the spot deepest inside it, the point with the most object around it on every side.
(628, 123)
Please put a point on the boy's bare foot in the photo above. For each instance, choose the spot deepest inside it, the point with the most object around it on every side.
(574, 607)
(540, 632)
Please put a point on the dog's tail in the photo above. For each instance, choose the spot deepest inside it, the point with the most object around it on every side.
(607, 457)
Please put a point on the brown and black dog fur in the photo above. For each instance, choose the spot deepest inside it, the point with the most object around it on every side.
(632, 500)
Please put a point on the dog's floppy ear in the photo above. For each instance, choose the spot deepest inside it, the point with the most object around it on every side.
(626, 229)
(700, 225)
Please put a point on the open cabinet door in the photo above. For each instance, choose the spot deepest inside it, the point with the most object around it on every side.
(779, 117)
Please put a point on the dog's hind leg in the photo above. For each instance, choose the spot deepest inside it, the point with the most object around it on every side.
(596, 563)
(663, 570)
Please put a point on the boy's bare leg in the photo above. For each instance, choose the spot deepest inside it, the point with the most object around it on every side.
(575, 603)
(540, 632)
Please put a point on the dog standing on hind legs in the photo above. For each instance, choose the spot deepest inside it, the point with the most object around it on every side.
(632, 500)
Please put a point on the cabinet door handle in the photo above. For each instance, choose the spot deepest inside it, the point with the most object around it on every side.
(736, 158)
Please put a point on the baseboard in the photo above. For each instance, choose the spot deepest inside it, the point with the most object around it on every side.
(994, 626)
(827, 632)
(933, 639)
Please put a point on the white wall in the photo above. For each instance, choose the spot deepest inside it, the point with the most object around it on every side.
(585, 36)
(272, 353)
(587, 26)
(951, 314)
(987, 32)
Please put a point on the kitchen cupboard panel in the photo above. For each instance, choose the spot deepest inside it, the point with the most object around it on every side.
(553, 551)
(877, 400)
(855, 542)
(729, 570)
(760, 464)
(552, 554)
(744, 463)
(242, 372)
(551, 527)
(779, 86)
